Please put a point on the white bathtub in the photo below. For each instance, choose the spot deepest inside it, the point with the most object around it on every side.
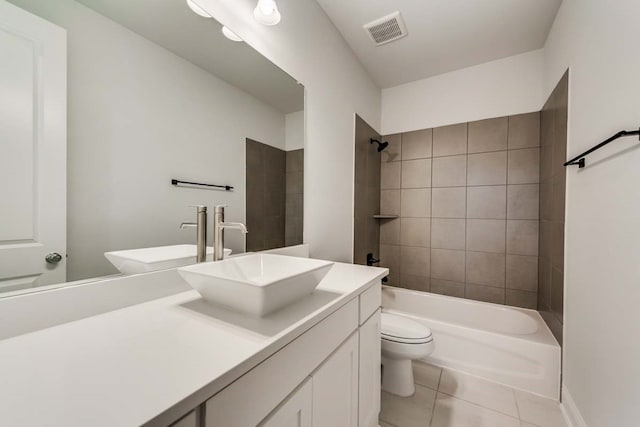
(508, 345)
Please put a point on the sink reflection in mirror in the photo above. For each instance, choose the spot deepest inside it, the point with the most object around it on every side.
(137, 261)
(149, 98)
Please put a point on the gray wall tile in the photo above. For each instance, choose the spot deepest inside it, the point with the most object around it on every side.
(522, 201)
(417, 283)
(390, 231)
(487, 235)
(393, 152)
(522, 273)
(448, 264)
(417, 144)
(369, 200)
(390, 175)
(521, 299)
(487, 168)
(487, 202)
(448, 233)
(485, 268)
(522, 237)
(450, 140)
(414, 261)
(488, 135)
(449, 202)
(265, 198)
(485, 293)
(553, 129)
(390, 258)
(450, 171)
(416, 203)
(295, 161)
(416, 173)
(390, 202)
(524, 166)
(447, 287)
(455, 207)
(415, 232)
(524, 130)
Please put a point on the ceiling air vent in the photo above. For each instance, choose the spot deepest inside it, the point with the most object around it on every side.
(386, 29)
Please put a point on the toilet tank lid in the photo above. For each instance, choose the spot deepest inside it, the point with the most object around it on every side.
(394, 325)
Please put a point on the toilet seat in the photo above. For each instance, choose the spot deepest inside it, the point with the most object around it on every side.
(403, 330)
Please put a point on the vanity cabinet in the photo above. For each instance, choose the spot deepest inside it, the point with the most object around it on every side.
(335, 387)
(369, 371)
(189, 420)
(327, 377)
(296, 411)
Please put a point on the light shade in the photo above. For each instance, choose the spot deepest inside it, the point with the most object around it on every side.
(231, 35)
(266, 12)
(197, 9)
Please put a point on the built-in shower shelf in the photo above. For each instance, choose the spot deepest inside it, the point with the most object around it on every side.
(385, 216)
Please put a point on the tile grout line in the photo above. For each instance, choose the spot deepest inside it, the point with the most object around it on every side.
(484, 407)
(431, 221)
(435, 399)
(466, 210)
(506, 207)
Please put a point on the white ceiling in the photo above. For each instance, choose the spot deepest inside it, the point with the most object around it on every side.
(172, 25)
(443, 35)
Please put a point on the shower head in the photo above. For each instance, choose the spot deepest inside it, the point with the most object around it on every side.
(381, 145)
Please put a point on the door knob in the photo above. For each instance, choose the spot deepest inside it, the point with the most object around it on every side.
(53, 258)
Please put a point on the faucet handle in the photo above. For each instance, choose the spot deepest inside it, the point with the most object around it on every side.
(219, 208)
(201, 208)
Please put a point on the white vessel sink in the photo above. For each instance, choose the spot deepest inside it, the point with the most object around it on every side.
(256, 284)
(159, 258)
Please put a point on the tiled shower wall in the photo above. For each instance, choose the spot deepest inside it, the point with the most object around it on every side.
(366, 236)
(274, 181)
(553, 153)
(294, 190)
(466, 197)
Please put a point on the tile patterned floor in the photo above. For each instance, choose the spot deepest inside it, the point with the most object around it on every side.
(447, 398)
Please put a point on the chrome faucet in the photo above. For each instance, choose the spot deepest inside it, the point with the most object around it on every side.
(218, 231)
(201, 232)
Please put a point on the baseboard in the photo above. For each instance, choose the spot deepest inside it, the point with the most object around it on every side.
(570, 411)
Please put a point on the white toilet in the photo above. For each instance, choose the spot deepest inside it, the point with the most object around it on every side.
(403, 340)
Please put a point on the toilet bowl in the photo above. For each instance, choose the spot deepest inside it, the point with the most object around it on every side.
(403, 340)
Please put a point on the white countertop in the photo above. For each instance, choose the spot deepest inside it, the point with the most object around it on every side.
(127, 367)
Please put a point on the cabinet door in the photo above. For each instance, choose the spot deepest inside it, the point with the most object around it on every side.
(189, 420)
(295, 411)
(335, 388)
(369, 377)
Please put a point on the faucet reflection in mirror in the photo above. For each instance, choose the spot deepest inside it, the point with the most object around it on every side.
(218, 231)
(201, 232)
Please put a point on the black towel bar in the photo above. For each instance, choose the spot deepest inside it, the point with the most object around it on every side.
(177, 182)
(579, 160)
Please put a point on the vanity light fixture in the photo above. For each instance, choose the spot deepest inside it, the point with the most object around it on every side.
(230, 34)
(266, 12)
(197, 9)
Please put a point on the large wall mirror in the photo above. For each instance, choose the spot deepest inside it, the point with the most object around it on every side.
(154, 92)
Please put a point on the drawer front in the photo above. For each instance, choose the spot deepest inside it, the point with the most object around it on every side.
(370, 301)
(253, 396)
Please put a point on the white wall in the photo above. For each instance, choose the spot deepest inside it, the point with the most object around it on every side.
(308, 46)
(139, 116)
(499, 88)
(294, 130)
(600, 42)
